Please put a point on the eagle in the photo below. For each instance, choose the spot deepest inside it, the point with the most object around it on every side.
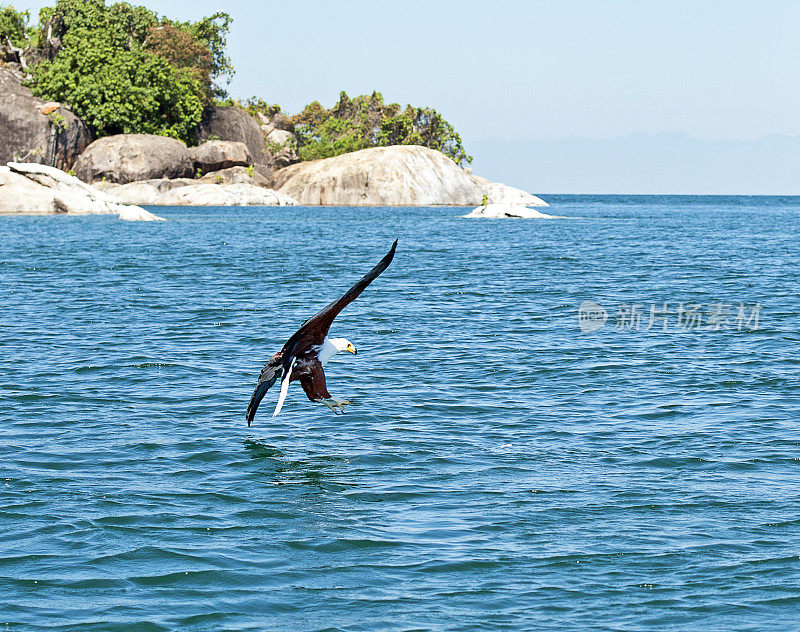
(304, 355)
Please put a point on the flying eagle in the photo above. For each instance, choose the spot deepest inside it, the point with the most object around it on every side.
(307, 351)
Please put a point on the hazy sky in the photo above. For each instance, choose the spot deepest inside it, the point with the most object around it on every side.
(717, 69)
(539, 70)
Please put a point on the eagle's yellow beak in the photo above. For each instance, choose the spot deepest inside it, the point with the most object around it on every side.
(351, 349)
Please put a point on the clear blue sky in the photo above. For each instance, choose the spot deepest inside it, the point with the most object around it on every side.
(531, 70)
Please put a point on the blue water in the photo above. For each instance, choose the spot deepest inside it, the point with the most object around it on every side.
(502, 469)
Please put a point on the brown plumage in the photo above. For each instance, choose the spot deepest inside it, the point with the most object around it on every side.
(300, 359)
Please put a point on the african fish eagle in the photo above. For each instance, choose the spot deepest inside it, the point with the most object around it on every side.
(307, 351)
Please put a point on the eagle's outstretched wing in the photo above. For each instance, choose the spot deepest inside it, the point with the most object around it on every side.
(313, 331)
(272, 370)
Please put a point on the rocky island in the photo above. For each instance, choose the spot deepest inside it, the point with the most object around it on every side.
(202, 150)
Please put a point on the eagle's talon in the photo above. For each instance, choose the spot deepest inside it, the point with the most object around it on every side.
(336, 405)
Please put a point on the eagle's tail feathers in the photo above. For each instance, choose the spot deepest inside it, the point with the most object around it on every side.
(284, 388)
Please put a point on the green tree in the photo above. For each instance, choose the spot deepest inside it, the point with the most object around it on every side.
(213, 32)
(123, 69)
(423, 126)
(181, 50)
(14, 34)
(366, 121)
(13, 26)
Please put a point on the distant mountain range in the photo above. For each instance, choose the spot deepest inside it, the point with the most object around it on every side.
(644, 164)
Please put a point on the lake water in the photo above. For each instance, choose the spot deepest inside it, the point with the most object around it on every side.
(506, 465)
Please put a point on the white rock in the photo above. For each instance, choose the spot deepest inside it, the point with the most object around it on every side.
(147, 191)
(18, 195)
(57, 179)
(136, 193)
(136, 214)
(498, 193)
(34, 189)
(508, 210)
(184, 192)
(223, 195)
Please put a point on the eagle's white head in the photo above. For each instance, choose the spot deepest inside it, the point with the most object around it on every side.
(332, 346)
(343, 344)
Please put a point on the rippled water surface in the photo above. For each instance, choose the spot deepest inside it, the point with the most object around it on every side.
(502, 469)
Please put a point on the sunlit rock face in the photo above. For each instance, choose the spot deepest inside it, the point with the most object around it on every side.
(402, 175)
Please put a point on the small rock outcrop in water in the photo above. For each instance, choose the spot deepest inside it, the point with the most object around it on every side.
(33, 130)
(185, 192)
(214, 155)
(34, 189)
(401, 175)
(131, 157)
(497, 211)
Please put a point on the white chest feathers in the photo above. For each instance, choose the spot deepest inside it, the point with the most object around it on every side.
(326, 351)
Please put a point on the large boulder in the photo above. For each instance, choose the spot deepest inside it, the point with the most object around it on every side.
(131, 157)
(34, 130)
(402, 175)
(35, 189)
(214, 155)
(235, 124)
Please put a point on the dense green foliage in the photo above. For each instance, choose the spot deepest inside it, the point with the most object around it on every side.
(13, 27)
(123, 69)
(366, 121)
